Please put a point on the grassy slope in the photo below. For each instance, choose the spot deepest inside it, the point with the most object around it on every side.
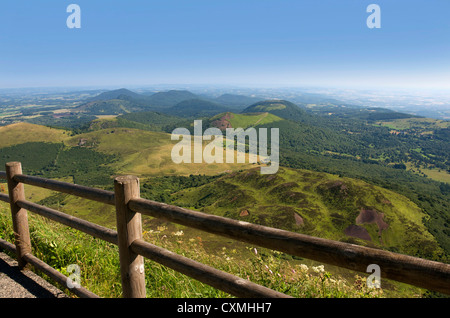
(23, 132)
(140, 152)
(60, 246)
(326, 203)
(415, 123)
(247, 120)
(146, 153)
(270, 106)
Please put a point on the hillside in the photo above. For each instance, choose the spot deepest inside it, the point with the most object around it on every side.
(280, 108)
(173, 102)
(93, 158)
(109, 107)
(160, 99)
(144, 153)
(116, 94)
(244, 120)
(317, 204)
(196, 108)
(24, 132)
(170, 98)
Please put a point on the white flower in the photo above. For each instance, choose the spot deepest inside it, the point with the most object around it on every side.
(318, 269)
(303, 267)
(179, 233)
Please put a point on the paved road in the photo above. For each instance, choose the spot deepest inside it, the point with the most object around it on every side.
(23, 284)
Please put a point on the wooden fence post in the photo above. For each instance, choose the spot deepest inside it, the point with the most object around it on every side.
(129, 228)
(19, 215)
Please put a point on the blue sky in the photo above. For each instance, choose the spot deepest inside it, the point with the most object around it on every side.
(233, 42)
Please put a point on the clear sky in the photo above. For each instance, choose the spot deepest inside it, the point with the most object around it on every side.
(236, 42)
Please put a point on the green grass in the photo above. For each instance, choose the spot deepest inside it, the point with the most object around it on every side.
(252, 119)
(327, 204)
(269, 107)
(416, 123)
(246, 120)
(60, 246)
(145, 153)
(20, 133)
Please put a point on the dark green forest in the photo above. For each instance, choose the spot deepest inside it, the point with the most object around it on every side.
(51, 160)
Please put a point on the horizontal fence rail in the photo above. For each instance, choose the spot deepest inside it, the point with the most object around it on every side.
(48, 270)
(93, 194)
(57, 276)
(92, 229)
(8, 246)
(4, 197)
(129, 206)
(206, 274)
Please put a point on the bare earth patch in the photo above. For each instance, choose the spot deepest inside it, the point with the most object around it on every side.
(358, 232)
(367, 217)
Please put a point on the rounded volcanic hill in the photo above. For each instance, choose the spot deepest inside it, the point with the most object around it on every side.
(281, 108)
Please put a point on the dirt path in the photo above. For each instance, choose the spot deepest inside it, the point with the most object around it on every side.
(257, 122)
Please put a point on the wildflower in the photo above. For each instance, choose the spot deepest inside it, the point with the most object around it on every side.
(161, 228)
(179, 233)
(318, 269)
(303, 268)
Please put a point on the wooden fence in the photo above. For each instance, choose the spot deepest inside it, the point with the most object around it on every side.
(132, 248)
